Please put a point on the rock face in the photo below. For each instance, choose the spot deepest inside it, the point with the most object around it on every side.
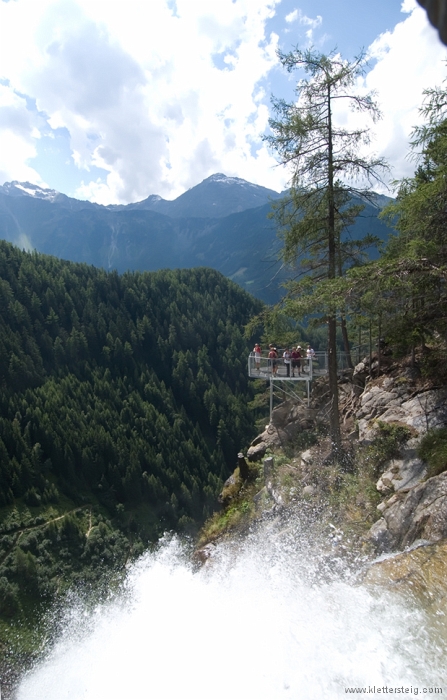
(421, 513)
(288, 420)
(391, 401)
(417, 509)
(413, 508)
(420, 573)
(403, 474)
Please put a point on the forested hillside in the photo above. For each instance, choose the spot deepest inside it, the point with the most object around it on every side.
(222, 223)
(123, 398)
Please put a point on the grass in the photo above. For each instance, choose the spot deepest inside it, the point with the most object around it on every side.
(240, 512)
(433, 451)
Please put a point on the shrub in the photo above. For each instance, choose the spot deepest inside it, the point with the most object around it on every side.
(433, 451)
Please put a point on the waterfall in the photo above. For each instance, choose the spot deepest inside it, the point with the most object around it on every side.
(267, 618)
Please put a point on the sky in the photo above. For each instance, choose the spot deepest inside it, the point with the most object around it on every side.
(114, 100)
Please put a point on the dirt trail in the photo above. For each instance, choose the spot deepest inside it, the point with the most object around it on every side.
(19, 532)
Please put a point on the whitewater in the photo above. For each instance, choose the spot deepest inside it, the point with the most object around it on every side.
(268, 617)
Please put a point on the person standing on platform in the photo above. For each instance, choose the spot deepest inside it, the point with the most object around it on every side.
(310, 355)
(257, 354)
(295, 357)
(273, 362)
(287, 359)
(298, 359)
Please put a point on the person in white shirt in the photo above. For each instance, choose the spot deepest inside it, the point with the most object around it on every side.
(287, 356)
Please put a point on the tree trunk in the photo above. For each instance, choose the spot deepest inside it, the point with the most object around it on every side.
(334, 419)
(332, 323)
(344, 332)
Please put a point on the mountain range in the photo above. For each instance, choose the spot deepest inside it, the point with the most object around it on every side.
(221, 223)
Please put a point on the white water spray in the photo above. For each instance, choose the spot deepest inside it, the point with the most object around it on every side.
(264, 622)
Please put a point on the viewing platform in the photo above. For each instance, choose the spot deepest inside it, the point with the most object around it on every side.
(285, 379)
(310, 367)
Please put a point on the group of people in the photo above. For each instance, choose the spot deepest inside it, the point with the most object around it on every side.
(292, 359)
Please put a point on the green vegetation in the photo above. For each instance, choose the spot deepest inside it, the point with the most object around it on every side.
(238, 514)
(403, 295)
(338, 497)
(313, 218)
(124, 401)
(385, 446)
(433, 450)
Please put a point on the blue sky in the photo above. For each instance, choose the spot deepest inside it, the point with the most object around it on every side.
(113, 100)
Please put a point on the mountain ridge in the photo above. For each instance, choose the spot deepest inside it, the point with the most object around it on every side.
(239, 240)
(239, 195)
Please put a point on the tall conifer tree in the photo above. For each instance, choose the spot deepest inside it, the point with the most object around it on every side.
(326, 162)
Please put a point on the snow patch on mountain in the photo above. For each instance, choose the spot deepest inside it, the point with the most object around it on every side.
(28, 189)
(220, 177)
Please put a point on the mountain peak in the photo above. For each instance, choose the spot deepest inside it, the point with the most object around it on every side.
(27, 189)
(225, 179)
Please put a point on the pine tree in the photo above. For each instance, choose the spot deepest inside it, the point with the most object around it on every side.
(325, 160)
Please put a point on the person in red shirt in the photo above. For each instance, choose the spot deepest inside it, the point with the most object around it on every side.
(296, 360)
(273, 356)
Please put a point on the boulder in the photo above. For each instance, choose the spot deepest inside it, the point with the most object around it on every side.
(256, 452)
(306, 458)
(426, 410)
(201, 556)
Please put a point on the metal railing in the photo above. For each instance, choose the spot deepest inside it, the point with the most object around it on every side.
(276, 368)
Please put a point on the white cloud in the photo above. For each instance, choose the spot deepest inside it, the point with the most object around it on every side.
(305, 21)
(18, 133)
(157, 98)
(292, 16)
(409, 59)
(298, 15)
(159, 95)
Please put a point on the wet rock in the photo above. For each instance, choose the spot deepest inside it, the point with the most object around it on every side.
(260, 497)
(380, 537)
(268, 468)
(201, 556)
(275, 493)
(309, 490)
(420, 572)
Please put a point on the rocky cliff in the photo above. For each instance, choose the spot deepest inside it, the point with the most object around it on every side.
(385, 499)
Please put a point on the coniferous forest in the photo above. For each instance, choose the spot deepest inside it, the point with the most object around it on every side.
(124, 401)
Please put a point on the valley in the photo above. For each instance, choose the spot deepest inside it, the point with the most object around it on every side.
(222, 223)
